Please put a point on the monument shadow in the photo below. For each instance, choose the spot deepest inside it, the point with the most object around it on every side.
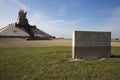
(115, 56)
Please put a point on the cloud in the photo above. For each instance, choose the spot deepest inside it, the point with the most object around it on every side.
(65, 28)
(1, 4)
(57, 21)
(60, 28)
(35, 16)
(112, 23)
(8, 11)
(57, 27)
(20, 4)
(62, 10)
(7, 4)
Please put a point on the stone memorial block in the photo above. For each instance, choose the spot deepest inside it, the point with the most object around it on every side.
(91, 45)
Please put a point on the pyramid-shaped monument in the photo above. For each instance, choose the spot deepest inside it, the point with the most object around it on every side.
(22, 29)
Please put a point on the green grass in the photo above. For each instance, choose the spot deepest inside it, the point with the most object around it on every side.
(52, 63)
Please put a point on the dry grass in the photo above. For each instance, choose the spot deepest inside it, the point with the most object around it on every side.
(115, 43)
(16, 42)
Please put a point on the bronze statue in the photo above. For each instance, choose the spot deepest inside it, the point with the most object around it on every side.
(23, 22)
(22, 14)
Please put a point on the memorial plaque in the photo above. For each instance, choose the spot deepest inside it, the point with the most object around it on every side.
(91, 45)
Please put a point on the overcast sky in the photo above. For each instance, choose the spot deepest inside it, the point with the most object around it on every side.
(61, 17)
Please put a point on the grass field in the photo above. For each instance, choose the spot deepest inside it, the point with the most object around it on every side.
(53, 63)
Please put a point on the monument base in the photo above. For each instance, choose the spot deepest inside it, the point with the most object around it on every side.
(37, 38)
(91, 52)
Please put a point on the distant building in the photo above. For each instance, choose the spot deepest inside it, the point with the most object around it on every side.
(22, 29)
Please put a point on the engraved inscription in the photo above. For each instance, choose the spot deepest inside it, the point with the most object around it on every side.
(92, 39)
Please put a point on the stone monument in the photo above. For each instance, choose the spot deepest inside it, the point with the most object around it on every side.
(22, 29)
(91, 45)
